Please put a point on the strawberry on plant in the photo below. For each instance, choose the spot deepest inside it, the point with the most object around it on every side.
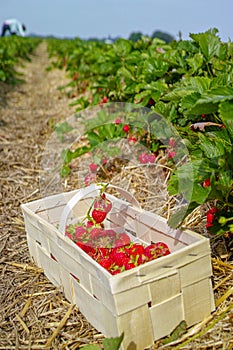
(126, 128)
(210, 217)
(151, 102)
(206, 183)
(132, 140)
(90, 178)
(171, 154)
(93, 167)
(146, 158)
(104, 100)
(172, 142)
(118, 121)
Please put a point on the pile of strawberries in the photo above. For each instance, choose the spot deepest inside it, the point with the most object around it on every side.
(112, 250)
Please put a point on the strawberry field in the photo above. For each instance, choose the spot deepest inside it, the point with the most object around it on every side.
(156, 118)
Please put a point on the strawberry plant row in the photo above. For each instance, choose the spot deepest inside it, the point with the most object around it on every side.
(12, 49)
(188, 82)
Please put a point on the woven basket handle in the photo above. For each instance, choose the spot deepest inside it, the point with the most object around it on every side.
(92, 190)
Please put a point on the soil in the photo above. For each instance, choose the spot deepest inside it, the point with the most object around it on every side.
(33, 313)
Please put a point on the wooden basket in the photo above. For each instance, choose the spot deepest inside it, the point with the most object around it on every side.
(146, 302)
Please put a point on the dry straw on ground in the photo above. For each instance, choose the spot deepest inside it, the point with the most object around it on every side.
(33, 313)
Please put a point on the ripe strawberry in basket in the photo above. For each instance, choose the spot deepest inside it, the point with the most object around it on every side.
(156, 250)
(80, 231)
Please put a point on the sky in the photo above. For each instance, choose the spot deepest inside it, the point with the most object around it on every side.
(114, 18)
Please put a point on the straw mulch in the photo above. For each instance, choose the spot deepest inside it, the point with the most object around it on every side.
(33, 313)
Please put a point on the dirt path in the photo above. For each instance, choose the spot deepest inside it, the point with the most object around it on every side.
(31, 308)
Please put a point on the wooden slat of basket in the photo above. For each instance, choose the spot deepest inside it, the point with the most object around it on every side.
(197, 300)
(166, 316)
(124, 301)
(195, 271)
(51, 267)
(165, 288)
(138, 329)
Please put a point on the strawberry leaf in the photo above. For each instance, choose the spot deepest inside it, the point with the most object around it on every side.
(209, 43)
(113, 343)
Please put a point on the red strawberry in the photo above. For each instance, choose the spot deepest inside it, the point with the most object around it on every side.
(206, 183)
(105, 262)
(129, 265)
(210, 217)
(135, 249)
(162, 249)
(98, 215)
(90, 223)
(95, 232)
(93, 167)
(171, 154)
(142, 259)
(118, 121)
(115, 271)
(86, 248)
(122, 240)
(118, 257)
(104, 100)
(126, 128)
(156, 250)
(103, 252)
(109, 233)
(172, 142)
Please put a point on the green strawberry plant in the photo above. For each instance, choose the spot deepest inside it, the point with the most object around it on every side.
(12, 49)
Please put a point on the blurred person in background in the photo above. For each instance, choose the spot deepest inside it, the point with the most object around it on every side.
(13, 27)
